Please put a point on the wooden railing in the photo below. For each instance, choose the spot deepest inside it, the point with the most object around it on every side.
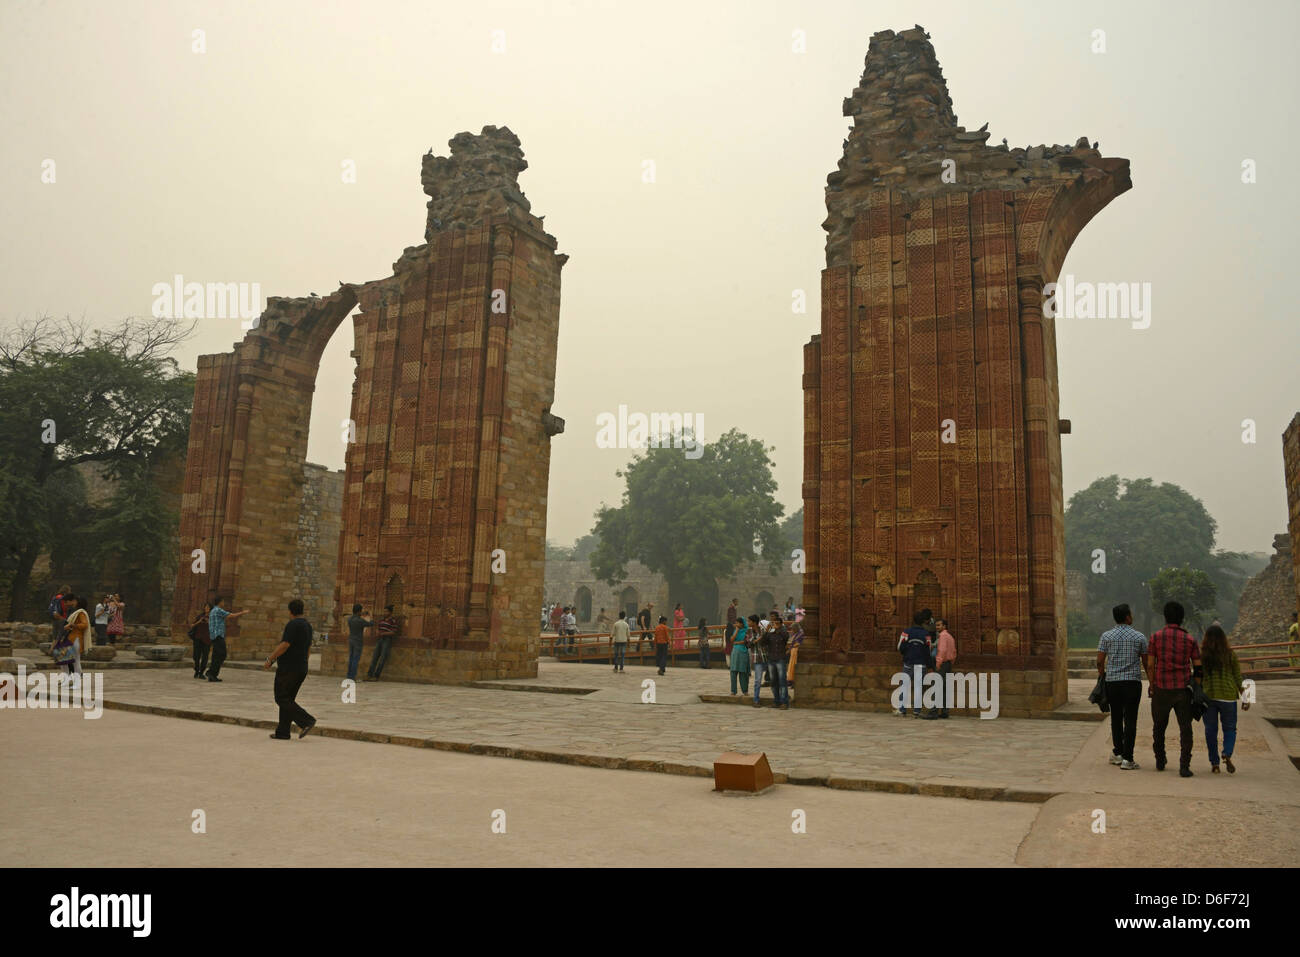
(591, 646)
(1290, 658)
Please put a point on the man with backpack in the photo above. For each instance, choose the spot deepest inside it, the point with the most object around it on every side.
(57, 612)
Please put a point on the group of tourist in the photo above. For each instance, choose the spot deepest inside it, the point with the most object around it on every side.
(72, 625)
(762, 647)
(928, 646)
(1182, 677)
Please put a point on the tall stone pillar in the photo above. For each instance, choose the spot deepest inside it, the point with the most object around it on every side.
(934, 479)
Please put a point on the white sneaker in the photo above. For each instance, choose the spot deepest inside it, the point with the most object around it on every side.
(1129, 766)
(1115, 759)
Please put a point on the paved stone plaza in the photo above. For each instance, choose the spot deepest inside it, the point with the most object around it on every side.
(1035, 783)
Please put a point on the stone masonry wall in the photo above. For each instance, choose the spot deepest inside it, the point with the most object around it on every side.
(1267, 600)
(1291, 465)
(315, 561)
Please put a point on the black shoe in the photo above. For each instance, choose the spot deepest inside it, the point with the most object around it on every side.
(279, 737)
(214, 679)
(198, 674)
(303, 733)
(1160, 765)
(943, 714)
(1184, 772)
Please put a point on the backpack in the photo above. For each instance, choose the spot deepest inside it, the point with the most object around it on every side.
(55, 608)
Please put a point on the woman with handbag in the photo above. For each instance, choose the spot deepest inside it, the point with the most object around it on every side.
(1222, 685)
(116, 627)
(202, 641)
(67, 650)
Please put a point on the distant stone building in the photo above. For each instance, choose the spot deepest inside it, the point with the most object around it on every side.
(1076, 591)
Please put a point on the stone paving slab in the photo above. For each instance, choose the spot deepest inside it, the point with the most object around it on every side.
(1010, 759)
(678, 734)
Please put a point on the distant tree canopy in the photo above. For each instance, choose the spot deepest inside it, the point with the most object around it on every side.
(580, 550)
(1123, 532)
(693, 520)
(1190, 587)
(70, 395)
(792, 529)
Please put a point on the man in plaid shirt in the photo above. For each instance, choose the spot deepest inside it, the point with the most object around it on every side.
(1169, 661)
(1119, 656)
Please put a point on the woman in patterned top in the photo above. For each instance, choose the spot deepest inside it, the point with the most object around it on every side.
(1222, 685)
(116, 627)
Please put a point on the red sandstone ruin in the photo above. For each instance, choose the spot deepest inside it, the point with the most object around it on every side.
(451, 403)
(938, 250)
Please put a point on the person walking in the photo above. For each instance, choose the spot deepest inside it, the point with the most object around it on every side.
(217, 619)
(738, 659)
(914, 645)
(101, 621)
(570, 621)
(661, 644)
(1119, 662)
(1293, 637)
(292, 653)
(387, 632)
(619, 635)
(116, 625)
(357, 625)
(201, 639)
(602, 623)
(679, 628)
(1222, 685)
(555, 617)
(1170, 659)
(702, 633)
(76, 634)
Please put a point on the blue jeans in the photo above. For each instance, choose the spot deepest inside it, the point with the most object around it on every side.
(780, 690)
(1228, 710)
(354, 657)
(759, 668)
(380, 657)
(620, 651)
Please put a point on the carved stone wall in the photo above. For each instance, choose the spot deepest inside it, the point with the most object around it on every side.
(316, 559)
(932, 469)
(444, 501)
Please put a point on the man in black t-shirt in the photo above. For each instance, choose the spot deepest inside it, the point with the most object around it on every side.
(292, 652)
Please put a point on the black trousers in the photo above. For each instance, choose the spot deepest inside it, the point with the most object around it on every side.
(661, 656)
(287, 684)
(1180, 702)
(944, 670)
(218, 656)
(201, 649)
(1124, 698)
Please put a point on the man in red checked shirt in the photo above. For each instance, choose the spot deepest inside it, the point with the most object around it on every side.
(1170, 659)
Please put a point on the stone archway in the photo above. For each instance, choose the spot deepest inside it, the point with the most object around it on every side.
(451, 406)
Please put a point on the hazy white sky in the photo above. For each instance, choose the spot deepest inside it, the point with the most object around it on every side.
(225, 166)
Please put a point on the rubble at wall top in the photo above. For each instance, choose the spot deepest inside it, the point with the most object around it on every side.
(904, 128)
(478, 180)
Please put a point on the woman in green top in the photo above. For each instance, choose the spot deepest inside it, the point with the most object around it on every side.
(739, 663)
(1222, 685)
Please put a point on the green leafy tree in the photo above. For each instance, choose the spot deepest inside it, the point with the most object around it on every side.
(792, 529)
(1190, 587)
(1079, 630)
(70, 395)
(693, 520)
(1122, 532)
